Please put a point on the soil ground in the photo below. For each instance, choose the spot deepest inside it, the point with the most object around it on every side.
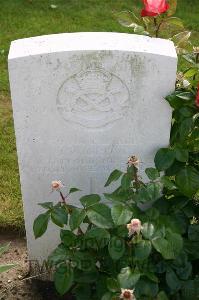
(16, 284)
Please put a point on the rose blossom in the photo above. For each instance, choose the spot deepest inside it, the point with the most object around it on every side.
(133, 161)
(127, 294)
(134, 227)
(154, 7)
(56, 185)
(197, 98)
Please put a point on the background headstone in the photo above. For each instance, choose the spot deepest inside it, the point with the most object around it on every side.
(83, 103)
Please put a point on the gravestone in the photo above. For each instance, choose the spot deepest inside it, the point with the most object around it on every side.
(83, 103)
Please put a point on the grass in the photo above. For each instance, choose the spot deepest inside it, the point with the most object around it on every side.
(25, 18)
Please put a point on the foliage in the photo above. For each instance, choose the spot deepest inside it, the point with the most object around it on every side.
(157, 253)
(5, 267)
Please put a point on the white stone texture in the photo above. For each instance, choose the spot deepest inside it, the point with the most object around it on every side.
(83, 103)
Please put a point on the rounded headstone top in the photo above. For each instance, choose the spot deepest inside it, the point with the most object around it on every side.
(90, 41)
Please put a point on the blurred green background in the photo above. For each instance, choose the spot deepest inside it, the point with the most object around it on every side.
(25, 18)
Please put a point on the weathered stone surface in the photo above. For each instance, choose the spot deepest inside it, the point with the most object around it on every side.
(82, 103)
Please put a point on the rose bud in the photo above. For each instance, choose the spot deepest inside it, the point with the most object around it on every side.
(154, 7)
(127, 294)
(134, 227)
(56, 185)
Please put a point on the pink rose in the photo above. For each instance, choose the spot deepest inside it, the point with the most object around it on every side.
(154, 7)
(134, 227)
(56, 185)
(127, 294)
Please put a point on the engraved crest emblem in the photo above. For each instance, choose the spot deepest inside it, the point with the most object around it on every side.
(93, 98)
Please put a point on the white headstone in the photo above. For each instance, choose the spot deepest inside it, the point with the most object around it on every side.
(83, 103)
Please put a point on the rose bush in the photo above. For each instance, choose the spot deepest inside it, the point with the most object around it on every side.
(145, 245)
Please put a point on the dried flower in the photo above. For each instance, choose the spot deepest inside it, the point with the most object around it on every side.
(133, 161)
(56, 185)
(127, 294)
(154, 7)
(134, 227)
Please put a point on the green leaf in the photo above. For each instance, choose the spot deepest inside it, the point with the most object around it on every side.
(191, 72)
(76, 218)
(116, 247)
(73, 190)
(128, 19)
(148, 230)
(89, 200)
(162, 296)
(100, 215)
(150, 192)
(4, 248)
(187, 180)
(59, 255)
(47, 205)
(63, 278)
(185, 96)
(174, 21)
(185, 128)
(5, 268)
(152, 173)
(142, 250)
(172, 281)
(112, 285)
(126, 182)
(68, 238)
(164, 158)
(59, 216)
(120, 214)
(193, 232)
(168, 183)
(98, 237)
(147, 288)
(127, 278)
(107, 296)
(115, 175)
(40, 224)
(181, 154)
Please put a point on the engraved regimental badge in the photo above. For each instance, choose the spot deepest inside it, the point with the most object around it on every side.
(93, 98)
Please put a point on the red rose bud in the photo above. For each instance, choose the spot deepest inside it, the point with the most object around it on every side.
(197, 97)
(154, 7)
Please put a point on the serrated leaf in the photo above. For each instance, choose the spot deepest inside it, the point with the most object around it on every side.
(59, 216)
(120, 214)
(152, 173)
(76, 218)
(128, 19)
(127, 278)
(47, 205)
(89, 200)
(148, 230)
(115, 175)
(164, 158)
(40, 224)
(126, 181)
(100, 215)
(63, 279)
(116, 248)
(142, 250)
(187, 180)
(181, 154)
(73, 190)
